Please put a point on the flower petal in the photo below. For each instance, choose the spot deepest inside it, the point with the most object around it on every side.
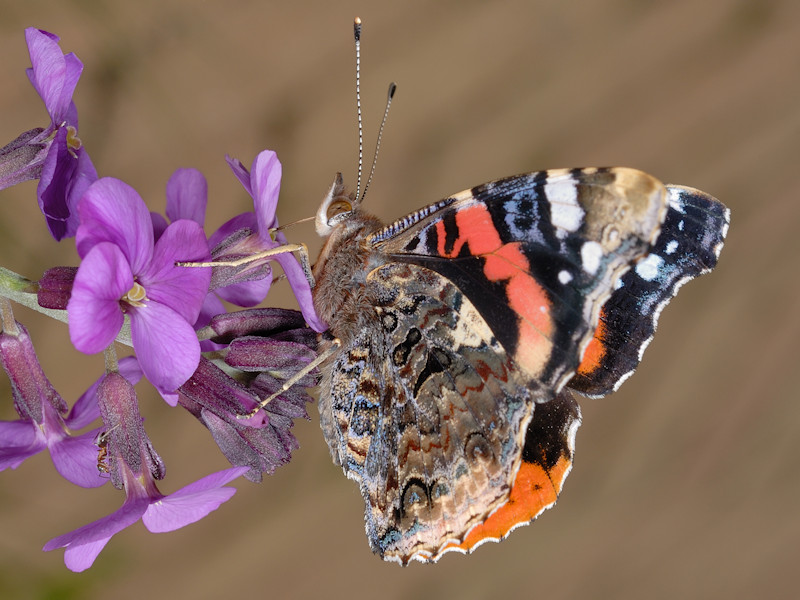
(112, 211)
(75, 459)
(212, 306)
(85, 543)
(165, 344)
(241, 221)
(129, 368)
(246, 293)
(95, 316)
(302, 290)
(51, 189)
(56, 167)
(19, 442)
(85, 409)
(187, 196)
(65, 177)
(191, 503)
(53, 75)
(241, 172)
(82, 556)
(159, 224)
(183, 289)
(19, 433)
(265, 182)
(81, 176)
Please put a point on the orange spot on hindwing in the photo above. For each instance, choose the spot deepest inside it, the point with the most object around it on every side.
(533, 491)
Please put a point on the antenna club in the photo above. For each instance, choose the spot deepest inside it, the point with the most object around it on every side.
(357, 29)
(392, 90)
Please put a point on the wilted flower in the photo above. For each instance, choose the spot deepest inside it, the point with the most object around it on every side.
(264, 348)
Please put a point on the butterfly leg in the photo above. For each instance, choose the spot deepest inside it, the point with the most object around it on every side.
(321, 358)
(301, 249)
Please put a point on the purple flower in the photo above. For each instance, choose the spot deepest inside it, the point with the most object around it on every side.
(66, 169)
(158, 512)
(263, 185)
(187, 198)
(123, 271)
(135, 466)
(44, 424)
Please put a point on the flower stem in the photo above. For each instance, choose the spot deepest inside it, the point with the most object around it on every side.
(23, 291)
(9, 325)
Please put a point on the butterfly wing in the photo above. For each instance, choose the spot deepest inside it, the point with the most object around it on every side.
(479, 308)
(546, 462)
(537, 254)
(689, 244)
(428, 415)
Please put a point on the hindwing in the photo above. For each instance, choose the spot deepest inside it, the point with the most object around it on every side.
(546, 462)
(428, 414)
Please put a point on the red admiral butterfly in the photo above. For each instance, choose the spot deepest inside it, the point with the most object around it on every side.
(462, 329)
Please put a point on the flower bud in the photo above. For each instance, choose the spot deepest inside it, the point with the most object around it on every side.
(255, 321)
(29, 385)
(21, 160)
(55, 287)
(126, 438)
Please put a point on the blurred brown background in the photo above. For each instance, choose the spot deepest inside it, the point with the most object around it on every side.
(686, 480)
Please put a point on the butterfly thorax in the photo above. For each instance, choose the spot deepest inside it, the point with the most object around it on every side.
(341, 297)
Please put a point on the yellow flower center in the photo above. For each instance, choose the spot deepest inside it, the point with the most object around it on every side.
(136, 296)
(73, 141)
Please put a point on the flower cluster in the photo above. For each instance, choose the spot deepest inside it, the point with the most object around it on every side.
(156, 283)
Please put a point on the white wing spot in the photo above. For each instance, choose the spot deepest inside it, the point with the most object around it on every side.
(649, 267)
(564, 277)
(565, 212)
(671, 246)
(591, 254)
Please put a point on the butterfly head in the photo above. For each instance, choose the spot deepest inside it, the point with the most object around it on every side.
(336, 208)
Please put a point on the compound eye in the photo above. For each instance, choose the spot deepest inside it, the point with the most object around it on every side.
(338, 207)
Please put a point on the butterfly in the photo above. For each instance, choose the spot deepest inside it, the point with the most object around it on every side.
(459, 333)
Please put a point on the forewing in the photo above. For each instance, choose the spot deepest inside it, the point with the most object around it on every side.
(537, 255)
(688, 246)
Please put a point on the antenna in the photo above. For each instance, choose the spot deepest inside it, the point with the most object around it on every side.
(359, 196)
(389, 96)
(357, 37)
